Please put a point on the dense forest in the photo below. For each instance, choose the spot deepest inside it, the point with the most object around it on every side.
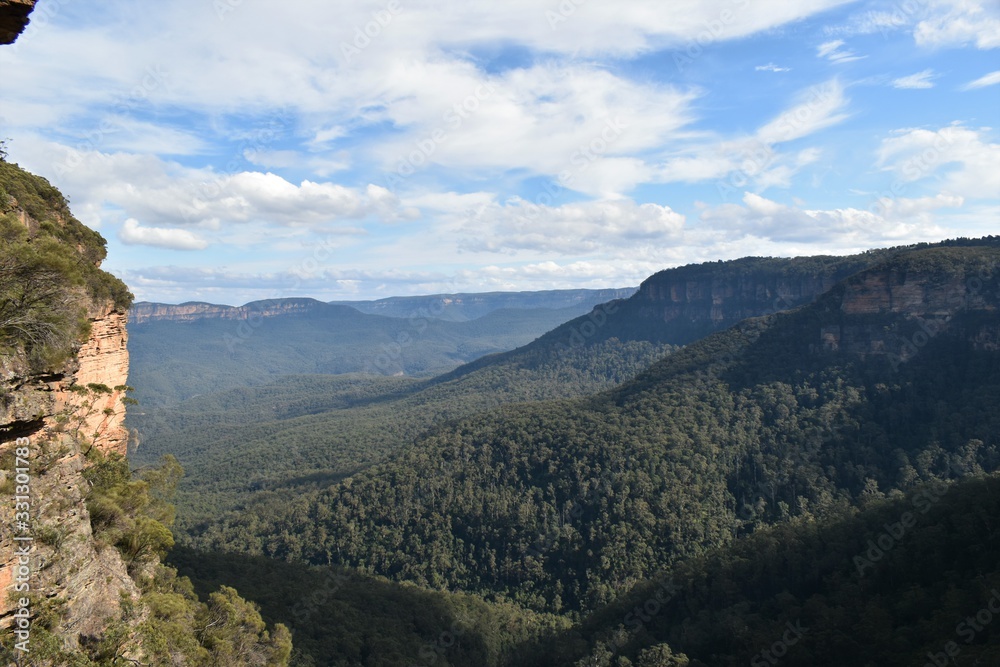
(332, 426)
(625, 501)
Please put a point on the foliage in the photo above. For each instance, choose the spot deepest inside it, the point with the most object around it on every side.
(49, 261)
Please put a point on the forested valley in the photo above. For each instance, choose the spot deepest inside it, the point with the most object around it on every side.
(647, 489)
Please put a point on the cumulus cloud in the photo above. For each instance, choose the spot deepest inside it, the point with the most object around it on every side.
(765, 218)
(165, 193)
(924, 79)
(132, 233)
(973, 161)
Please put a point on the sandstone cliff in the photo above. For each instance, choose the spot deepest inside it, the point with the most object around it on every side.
(696, 300)
(898, 308)
(14, 18)
(54, 408)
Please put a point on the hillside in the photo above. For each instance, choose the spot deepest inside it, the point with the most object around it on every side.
(884, 382)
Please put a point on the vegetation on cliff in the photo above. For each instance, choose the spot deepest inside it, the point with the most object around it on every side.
(50, 274)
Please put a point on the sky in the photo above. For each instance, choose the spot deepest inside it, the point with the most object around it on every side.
(234, 150)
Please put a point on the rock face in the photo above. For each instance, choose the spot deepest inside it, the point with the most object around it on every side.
(65, 563)
(925, 303)
(103, 359)
(14, 18)
(690, 302)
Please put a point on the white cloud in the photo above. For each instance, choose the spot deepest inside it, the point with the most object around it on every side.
(817, 108)
(922, 79)
(132, 233)
(833, 52)
(973, 161)
(578, 121)
(960, 22)
(851, 227)
(771, 67)
(991, 79)
(758, 158)
(933, 23)
(597, 226)
(165, 193)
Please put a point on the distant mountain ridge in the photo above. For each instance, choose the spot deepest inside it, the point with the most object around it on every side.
(469, 306)
(453, 307)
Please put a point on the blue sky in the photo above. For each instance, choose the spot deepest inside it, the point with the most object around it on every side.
(232, 150)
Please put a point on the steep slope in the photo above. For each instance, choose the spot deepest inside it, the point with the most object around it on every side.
(887, 380)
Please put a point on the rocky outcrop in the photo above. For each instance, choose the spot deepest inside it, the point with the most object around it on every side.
(102, 360)
(14, 18)
(57, 425)
(898, 310)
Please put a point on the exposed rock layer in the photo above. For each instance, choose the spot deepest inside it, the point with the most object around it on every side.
(14, 18)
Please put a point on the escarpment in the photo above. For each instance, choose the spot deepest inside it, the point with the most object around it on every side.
(63, 373)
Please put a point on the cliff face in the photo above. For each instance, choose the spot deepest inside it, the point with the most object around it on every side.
(679, 306)
(52, 413)
(723, 300)
(145, 311)
(897, 311)
(65, 563)
(14, 18)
